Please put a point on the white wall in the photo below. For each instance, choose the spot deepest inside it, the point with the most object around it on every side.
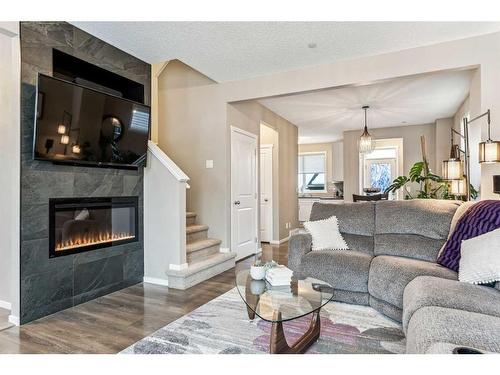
(9, 165)
(164, 218)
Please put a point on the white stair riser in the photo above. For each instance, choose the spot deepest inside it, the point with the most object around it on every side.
(202, 253)
(183, 283)
(196, 236)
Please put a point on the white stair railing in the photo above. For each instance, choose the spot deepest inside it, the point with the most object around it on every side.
(165, 187)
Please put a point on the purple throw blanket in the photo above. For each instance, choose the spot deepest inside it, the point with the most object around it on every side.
(482, 217)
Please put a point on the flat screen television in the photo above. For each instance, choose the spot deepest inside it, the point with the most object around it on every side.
(79, 125)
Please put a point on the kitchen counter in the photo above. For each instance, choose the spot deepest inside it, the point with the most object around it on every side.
(306, 203)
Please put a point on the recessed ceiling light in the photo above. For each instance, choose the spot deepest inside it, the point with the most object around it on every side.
(312, 45)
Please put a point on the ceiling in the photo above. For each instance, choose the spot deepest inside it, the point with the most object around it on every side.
(322, 116)
(226, 51)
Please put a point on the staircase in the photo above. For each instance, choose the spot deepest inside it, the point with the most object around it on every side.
(203, 257)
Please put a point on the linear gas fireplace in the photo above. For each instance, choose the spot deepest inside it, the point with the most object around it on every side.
(82, 224)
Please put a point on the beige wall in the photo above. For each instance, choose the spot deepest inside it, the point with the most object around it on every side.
(249, 116)
(411, 150)
(442, 142)
(338, 161)
(10, 165)
(328, 149)
(200, 113)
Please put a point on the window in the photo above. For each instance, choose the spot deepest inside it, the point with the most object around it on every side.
(380, 167)
(312, 168)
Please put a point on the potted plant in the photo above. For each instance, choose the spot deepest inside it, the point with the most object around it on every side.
(258, 270)
(432, 186)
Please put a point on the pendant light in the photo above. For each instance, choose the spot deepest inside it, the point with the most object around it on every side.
(366, 142)
(489, 151)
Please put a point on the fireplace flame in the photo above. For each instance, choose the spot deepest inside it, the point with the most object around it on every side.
(92, 239)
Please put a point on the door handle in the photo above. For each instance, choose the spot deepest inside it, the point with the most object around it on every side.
(237, 203)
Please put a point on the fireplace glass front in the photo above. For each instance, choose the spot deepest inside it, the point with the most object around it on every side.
(82, 224)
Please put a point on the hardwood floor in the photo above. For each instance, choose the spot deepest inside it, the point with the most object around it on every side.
(111, 323)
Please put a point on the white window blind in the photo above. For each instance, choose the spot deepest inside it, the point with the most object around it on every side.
(312, 163)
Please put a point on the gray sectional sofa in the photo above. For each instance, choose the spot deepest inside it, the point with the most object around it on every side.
(391, 266)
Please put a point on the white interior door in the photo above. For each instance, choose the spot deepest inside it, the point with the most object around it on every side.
(243, 193)
(266, 193)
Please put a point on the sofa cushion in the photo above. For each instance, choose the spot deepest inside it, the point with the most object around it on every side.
(433, 324)
(403, 228)
(390, 275)
(387, 309)
(409, 245)
(356, 242)
(353, 218)
(343, 269)
(299, 244)
(434, 291)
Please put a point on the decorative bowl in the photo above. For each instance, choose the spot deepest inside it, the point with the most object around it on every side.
(258, 272)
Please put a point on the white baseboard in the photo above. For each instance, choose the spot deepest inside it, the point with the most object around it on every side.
(259, 250)
(155, 281)
(5, 305)
(14, 320)
(224, 250)
(283, 240)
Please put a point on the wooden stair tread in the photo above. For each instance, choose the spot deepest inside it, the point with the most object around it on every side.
(202, 244)
(196, 228)
(190, 214)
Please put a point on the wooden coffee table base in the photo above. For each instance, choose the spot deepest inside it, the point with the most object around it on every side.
(278, 344)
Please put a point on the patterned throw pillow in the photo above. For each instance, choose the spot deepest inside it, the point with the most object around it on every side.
(480, 259)
(326, 234)
(483, 217)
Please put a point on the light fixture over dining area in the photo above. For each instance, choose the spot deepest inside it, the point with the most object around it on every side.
(366, 142)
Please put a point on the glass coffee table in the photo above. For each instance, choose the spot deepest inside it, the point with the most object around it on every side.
(284, 303)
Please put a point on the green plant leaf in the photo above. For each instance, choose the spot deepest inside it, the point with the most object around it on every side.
(416, 171)
(397, 184)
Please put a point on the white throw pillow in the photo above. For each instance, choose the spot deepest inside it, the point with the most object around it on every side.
(480, 259)
(326, 235)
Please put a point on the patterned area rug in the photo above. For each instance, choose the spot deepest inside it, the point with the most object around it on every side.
(222, 326)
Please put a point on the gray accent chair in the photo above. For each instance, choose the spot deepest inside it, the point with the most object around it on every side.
(391, 266)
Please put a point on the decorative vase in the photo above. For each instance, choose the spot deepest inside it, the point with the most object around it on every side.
(258, 272)
(257, 287)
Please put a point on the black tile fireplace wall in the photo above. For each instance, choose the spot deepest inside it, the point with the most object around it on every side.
(50, 285)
